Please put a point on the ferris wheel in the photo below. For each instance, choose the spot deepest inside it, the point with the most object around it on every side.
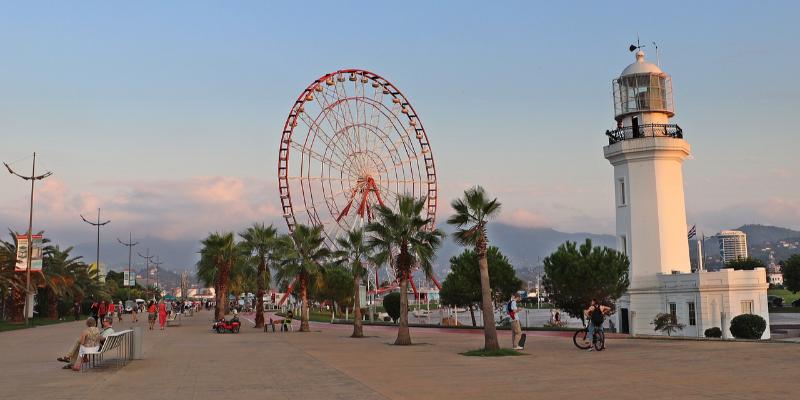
(352, 141)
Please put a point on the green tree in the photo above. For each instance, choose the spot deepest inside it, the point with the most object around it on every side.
(473, 212)
(218, 254)
(352, 253)
(262, 247)
(791, 273)
(304, 261)
(748, 263)
(576, 275)
(404, 239)
(462, 286)
(58, 272)
(666, 323)
(335, 284)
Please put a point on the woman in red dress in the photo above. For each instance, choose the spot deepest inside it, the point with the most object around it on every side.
(162, 314)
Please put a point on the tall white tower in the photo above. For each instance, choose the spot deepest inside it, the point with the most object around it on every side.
(647, 153)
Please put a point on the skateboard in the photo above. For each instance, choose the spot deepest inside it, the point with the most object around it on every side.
(522, 340)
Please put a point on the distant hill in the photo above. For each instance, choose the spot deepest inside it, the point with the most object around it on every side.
(758, 234)
(759, 239)
(524, 247)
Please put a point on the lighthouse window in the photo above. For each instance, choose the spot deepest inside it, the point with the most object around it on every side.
(692, 316)
(622, 199)
(623, 244)
(673, 310)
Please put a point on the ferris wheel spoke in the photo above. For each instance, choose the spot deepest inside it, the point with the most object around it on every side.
(331, 108)
(323, 159)
(322, 133)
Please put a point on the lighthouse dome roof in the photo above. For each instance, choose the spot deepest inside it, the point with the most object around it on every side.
(641, 67)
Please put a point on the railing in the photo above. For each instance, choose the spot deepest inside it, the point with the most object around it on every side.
(646, 130)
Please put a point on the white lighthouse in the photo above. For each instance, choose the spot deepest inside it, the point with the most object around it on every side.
(647, 152)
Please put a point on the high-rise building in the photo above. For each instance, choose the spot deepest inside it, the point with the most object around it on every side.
(732, 245)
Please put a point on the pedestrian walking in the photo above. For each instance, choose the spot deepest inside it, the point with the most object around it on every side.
(162, 314)
(76, 309)
(151, 314)
(102, 310)
(93, 311)
(120, 310)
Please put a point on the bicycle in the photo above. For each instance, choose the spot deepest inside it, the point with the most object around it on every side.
(599, 340)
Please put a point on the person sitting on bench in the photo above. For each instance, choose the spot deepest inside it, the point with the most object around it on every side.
(90, 338)
(287, 322)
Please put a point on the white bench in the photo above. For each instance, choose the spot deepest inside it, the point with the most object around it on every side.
(121, 341)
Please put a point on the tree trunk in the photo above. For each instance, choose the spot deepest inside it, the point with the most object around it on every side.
(217, 300)
(17, 309)
(403, 334)
(489, 330)
(358, 329)
(222, 306)
(472, 314)
(52, 305)
(262, 270)
(304, 296)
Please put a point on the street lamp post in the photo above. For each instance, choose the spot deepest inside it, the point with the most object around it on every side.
(147, 259)
(33, 178)
(97, 224)
(157, 263)
(129, 244)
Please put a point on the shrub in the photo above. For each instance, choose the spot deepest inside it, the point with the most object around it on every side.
(666, 323)
(748, 326)
(713, 332)
(391, 302)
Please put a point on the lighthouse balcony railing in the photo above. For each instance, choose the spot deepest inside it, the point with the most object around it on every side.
(643, 131)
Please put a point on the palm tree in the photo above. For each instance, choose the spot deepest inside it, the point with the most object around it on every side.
(408, 235)
(10, 280)
(304, 262)
(59, 269)
(217, 257)
(473, 211)
(352, 252)
(260, 244)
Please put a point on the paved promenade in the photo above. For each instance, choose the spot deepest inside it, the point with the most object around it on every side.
(191, 362)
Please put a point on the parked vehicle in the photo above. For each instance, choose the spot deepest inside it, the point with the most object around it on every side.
(775, 301)
(796, 303)
(223, 326)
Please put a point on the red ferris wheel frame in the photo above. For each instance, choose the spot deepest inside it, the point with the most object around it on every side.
(366, 189)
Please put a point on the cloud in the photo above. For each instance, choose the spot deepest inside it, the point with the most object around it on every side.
(524, 218)
(168, 209)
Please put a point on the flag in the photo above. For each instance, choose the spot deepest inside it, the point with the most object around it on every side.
(693, 232)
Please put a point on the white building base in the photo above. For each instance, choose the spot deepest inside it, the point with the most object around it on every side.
(715, 297)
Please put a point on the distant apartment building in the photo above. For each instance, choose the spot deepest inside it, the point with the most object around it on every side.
(732, 245)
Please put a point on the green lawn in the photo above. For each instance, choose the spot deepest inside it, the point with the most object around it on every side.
(11, 326)
(788, 297)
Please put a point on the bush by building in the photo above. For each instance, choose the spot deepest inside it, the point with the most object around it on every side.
(391, 302)
(713, 332)
(748, 326)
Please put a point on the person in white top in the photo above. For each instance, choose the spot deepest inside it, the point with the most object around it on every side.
(516, 328)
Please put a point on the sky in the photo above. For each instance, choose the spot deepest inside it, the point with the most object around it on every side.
(168, 115)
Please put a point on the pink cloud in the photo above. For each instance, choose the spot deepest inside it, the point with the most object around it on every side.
(168, 209)
(524, 218)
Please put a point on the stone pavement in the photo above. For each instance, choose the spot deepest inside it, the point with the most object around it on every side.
(192, 362)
